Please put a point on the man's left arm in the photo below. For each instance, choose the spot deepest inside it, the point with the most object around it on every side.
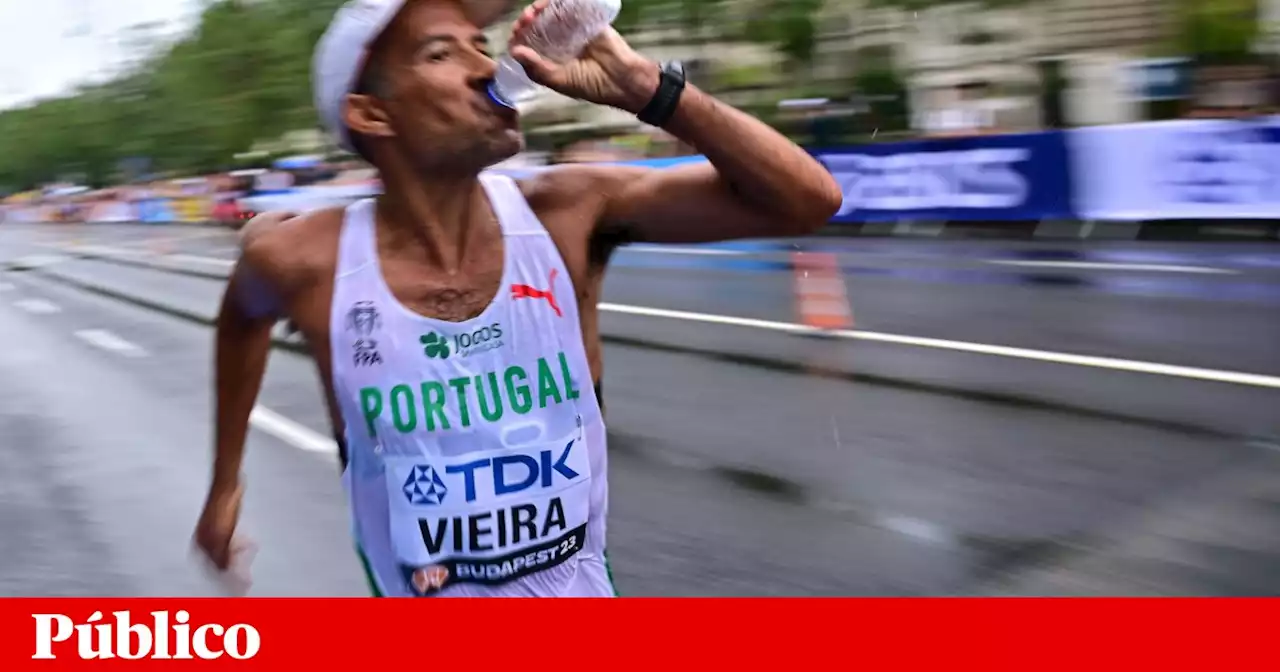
(755, 182)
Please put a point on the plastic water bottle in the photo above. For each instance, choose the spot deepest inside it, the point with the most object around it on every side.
(559, 34)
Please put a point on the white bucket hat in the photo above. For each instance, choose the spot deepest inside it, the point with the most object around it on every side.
(343, 50)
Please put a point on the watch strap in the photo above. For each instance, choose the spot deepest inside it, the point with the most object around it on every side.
(671, 83)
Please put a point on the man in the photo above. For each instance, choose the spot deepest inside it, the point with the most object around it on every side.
(453, 319)
(964, 111)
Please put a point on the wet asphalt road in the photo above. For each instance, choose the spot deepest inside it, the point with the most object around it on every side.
(795, 466)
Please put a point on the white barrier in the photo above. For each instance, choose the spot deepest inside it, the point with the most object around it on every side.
(1177, 170)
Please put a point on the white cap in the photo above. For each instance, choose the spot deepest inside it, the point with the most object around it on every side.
(343, 50)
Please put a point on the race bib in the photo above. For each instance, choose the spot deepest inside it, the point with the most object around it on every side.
(488, 517)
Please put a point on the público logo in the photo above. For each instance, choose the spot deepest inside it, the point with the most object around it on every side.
(168, 636)
(435, 345)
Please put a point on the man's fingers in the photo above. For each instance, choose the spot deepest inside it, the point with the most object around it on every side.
(538, 68)
(217, 555)
(229, 565)
(239, 575)
(531, 12)
(243, 550)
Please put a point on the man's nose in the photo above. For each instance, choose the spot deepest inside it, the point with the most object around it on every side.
(485, 67)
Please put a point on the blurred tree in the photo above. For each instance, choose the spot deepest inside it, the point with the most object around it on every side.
(918, 5)
(790, 26)
(1217, 31)
(694, 14)
(630, 16)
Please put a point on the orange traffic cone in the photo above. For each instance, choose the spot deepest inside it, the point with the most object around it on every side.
(822, 300)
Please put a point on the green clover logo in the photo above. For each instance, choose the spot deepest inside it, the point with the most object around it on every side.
(435, 345)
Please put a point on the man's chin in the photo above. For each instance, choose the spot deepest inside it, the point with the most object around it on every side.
(510, 143)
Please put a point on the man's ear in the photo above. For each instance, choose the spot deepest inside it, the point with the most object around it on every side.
(366, 115)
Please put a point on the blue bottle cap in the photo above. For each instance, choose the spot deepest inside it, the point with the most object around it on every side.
(495, 94)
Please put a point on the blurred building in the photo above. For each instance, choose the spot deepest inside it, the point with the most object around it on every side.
(1006, 51)
(1020, 65)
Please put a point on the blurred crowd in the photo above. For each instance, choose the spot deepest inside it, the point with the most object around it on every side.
(225, 197)
(197, 198)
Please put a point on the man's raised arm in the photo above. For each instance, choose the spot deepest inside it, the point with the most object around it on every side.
(755, 183)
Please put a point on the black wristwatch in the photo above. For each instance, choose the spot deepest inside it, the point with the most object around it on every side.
(663, 104)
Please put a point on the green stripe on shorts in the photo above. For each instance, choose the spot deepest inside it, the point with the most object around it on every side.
(368, 573)
(608, 569)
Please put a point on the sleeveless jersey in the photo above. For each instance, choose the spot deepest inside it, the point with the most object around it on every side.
(476, 458)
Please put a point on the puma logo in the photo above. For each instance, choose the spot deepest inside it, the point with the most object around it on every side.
(527, 292)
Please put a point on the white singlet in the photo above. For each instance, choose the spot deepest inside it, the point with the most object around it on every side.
(475, 450)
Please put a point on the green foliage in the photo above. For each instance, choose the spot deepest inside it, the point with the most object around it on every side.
(1217, 30)
(921, 5)
(789, 25)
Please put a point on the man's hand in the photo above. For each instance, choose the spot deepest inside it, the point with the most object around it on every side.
(215, 537)
(608, 72)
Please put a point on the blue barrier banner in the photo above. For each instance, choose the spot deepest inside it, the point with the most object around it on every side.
(1194, 169)
(155, 210)
(997, 177)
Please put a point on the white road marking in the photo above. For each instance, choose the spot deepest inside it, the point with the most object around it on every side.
(788, 327)
(665, 249)
(7, 287)
(1234, 377)
(103, 250)
(108, 341)
(292, 433)
(917, 528)
(37, 260)
(1107, 266)
(1265, 445)
(1115, 364)
(38, 306)
(142, 242)
(210, 261)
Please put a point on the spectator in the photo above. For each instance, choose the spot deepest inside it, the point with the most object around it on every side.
(963, 111)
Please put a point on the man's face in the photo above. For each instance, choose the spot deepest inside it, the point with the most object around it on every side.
(435, 66)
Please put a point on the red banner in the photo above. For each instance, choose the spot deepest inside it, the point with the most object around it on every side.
(659, 634)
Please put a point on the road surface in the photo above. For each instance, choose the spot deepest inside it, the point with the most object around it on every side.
(1003, 418)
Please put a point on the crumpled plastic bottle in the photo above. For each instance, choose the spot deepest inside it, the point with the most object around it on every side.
(559, 34)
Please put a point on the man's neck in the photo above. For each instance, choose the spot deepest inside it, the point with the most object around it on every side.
(441, 214)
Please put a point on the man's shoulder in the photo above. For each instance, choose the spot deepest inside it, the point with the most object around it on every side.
(572, 201)
(570, 183)
(290, 244)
